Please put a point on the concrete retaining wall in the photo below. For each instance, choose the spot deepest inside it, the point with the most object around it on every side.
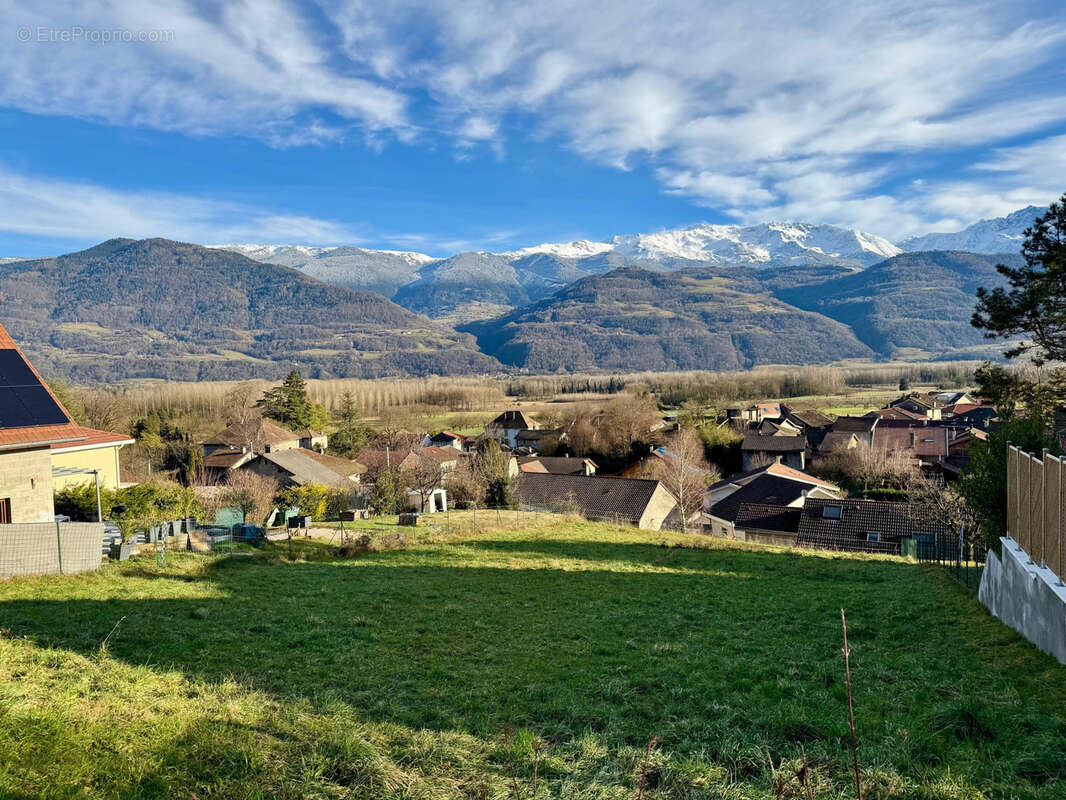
(1029, 598)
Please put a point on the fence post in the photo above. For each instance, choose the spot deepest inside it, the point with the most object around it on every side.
(1012, 491)
(59, 547)
(1036, 510)
(1052, 512)
(1022, 538)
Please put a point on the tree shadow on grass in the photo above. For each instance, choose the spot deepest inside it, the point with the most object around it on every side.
(732, 648)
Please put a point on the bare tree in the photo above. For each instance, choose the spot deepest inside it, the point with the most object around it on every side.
(685, 473)
(240, 402)
(465, 484)
(251, 492)
(425, 478)
(869, 467)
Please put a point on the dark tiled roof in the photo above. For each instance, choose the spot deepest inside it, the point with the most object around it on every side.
(767, 489)
(809, 418)
(556, 465)
(773, 444)
(304, 468)
(257, 432)
(891, 521)
(596, 497)
(765, 517)
(513, 420)
(854, 424)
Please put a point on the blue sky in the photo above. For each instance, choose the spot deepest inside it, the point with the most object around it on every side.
(442, 127)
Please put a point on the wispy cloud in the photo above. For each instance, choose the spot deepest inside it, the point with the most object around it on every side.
(852, 111)
(84, 212)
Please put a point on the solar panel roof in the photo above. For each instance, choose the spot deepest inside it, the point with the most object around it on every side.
(24, 401)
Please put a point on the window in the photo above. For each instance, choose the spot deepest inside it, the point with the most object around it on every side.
(871, 536)
(832, 512)
(5, 510)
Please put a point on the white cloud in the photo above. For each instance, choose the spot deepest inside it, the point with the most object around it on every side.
(825, 111)
(71, 211)
(775, 107)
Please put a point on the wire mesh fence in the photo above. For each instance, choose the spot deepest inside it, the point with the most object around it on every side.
(49, 548)
(964, 557)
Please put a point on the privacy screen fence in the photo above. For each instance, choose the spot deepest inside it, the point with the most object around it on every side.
(1035, 505)
(49, 548)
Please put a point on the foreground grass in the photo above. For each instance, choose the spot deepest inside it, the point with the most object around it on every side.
(461, 667)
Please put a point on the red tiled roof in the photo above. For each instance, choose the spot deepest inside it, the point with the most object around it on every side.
(94, 438)
(920, 441)
(37, 435)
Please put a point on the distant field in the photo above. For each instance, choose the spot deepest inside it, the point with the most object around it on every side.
(462, 667)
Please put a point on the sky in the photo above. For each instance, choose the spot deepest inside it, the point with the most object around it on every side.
(443, 126)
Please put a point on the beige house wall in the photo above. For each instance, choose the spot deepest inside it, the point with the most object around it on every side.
(26, 479)
(658, 510)
(104, 459)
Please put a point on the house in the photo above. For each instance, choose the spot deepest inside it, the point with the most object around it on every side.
(301, 466)
(635, 501)
(447, 439)
(982, 417)
(805, 420)
(897, 413)
(842, 430)
(754, 413)
(945, 399)
(768, 524)
(928, 445)
(376, 460)
(96, 457)
(31, 420)
(873, 526)
(533, 439)
(776, 485)
(926, 407)
(789, 449)
(507, 426)
(263, 435)
(557, 465)
(446, 457)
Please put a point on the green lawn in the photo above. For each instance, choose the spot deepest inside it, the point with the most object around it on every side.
(457, 668)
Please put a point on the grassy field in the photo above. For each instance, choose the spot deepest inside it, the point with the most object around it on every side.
(464, 667)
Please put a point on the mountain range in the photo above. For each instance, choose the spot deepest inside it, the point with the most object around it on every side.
(161, 309)
(710, 297)
(478, 285)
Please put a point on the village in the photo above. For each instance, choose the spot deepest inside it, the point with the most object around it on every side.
(791, 476)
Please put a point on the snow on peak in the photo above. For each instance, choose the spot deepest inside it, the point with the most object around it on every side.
(999, 235)
(580, 249)
(794, 242)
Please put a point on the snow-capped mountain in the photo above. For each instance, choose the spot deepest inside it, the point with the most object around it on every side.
(381, 271)
(999, 235)
(475, 283)
(780, 242)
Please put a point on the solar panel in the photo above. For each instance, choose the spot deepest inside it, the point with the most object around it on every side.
(24, 402)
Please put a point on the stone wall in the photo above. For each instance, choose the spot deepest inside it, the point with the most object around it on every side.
(26, 479)
(1027, 597)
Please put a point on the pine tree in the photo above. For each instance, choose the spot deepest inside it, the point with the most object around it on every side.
(290, 405)
(350, 434)
(1035, 305)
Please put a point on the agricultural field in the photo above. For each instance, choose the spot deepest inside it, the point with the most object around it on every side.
(569, 660)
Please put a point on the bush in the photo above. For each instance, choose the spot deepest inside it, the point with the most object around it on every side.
(155, 500)
(319, 501)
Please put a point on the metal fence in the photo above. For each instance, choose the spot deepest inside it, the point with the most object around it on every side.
(963, 557)
(49, 548)
(1035, 506)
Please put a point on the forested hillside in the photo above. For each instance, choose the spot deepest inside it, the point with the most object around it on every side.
(162, 309)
